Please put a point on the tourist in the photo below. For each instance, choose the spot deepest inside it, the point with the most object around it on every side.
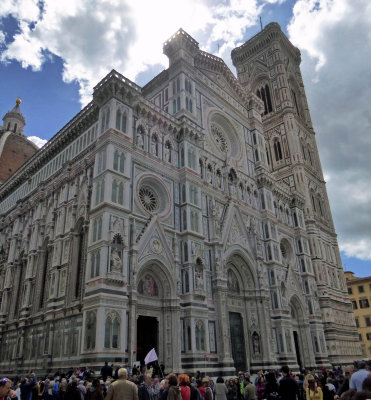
(174, 391)
(232, 390)
(145, 391)
(358, 377)
(260, 387)
(313, 392)
(164, 389)
(106, 371)
(329, 390)
(221, 390)
(95, 392)
(122, 388)
(271, 387)
(206, 385)
(27, 384)
(72, 392)
(249, 392)
(288, 388)
(5, 390)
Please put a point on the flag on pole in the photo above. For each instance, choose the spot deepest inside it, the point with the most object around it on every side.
(150, 357)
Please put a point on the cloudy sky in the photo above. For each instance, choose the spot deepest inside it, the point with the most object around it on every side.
(53, 52)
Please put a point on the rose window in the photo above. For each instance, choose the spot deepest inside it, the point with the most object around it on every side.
(219, 138)
(148, 198)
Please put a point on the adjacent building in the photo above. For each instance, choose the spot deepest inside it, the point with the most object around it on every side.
(359, 290)
(189, 215)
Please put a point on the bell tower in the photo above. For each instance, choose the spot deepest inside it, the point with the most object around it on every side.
(268, 65)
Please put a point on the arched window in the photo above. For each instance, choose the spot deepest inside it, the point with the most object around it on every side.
(190, 106)
(178, 103)
(184, 220)
(277, 149)
(118, 120)
(121, 194)
(112, 331)
(266, 231)
(8, 127)
(302, 265)
(294, 99)
(185, 282)
(264, 94)
(15, 128)
(114, 191)
(90, 330)
(267, 154)
(187, 104)
(200, 336)
(45, 264)
(95, 263)
(274, 299)
(295, 219)
(174, 106)
(122, 162)
(116, 160)
(123, 122)
(185, 252)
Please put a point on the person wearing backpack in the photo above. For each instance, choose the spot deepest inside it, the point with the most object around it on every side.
(271, 387)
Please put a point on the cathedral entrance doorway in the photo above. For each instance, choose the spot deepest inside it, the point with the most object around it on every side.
(297, 349)
(237, 341)
(147, 336)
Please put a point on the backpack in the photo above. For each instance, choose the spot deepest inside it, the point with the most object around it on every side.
(273, 396)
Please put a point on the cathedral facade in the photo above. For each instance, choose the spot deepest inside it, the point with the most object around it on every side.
(189, 215)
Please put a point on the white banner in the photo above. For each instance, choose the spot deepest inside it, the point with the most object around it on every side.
(150, 357)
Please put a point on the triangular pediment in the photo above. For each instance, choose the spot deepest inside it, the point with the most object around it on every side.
(154, 244)
(234, 230)
(218, 72)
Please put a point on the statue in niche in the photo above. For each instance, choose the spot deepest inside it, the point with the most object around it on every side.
(199, 280)
(218, 180)
(232, 282)
(167, 152)
(209, 176)
(140, 142)
(116, 254)
(199, 274)
(148, 287)
(115, 260)
(256, 343)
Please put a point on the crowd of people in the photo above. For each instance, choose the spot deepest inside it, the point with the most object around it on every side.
(348, 383)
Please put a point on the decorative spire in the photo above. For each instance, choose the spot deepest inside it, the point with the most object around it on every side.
(14, 120)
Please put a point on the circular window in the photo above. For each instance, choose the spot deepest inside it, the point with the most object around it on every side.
(152, 195)
(149, 199)
(224, 135)
(220, 138)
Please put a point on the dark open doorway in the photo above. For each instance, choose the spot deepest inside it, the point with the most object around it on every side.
(297, 349)
(238, 341)
(147, 336)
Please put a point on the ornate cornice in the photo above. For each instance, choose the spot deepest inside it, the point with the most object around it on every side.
(85, 118)
(271, 33)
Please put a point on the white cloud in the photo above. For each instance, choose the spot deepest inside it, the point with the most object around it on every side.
(94, 36)
(38, 141)
(335, 41)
